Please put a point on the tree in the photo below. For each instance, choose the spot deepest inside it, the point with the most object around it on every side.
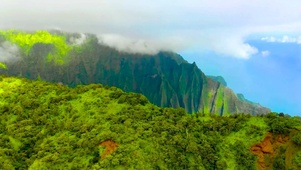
(297, 139)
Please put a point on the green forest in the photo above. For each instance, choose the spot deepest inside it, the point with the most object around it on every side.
(52, 126)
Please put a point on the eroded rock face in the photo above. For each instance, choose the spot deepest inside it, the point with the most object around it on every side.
(264, 147)
(267, 149)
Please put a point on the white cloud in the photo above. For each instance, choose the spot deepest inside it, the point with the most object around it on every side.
(283, 39)
(265, 53)
(149, 46)
(231, 46)
(299, 40)
(127, 44)
(269, 39)
(8, 52)
(167, 24)
(286, 39)
(78, 40)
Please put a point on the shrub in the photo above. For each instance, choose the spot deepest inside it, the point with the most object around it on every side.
(279, 162)
(297, 139)
(297, 159)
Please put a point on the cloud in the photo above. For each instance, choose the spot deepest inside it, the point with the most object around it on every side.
(265, 53)
(127, 44)
(8, 52)
(269, 39)
(283, 39)
(233, 46)
(144, 46)
(79, 40)
(169, 24)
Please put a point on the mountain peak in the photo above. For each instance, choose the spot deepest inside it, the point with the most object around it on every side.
(165, 78)
(219, 79)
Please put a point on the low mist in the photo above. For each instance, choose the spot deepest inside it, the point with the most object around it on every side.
(9, 52)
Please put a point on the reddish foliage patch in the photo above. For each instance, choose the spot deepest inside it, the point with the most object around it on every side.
(110, 147)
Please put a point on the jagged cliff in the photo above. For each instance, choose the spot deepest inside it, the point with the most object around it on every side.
(219, 79)
(166, 79)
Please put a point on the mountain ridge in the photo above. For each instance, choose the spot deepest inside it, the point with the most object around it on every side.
(166, 79)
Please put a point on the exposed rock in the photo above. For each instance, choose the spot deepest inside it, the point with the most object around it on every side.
(268, 148)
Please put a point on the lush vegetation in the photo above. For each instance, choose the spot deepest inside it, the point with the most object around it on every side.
(26, 41)
(2, 66)
(51, 126)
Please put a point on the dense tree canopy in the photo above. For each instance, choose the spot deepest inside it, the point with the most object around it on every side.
(51, 126)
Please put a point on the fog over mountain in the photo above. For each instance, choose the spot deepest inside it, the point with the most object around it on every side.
(218, 26)
(9, 52)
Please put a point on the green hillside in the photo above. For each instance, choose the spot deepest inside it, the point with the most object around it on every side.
(52, 126)
(165, 78)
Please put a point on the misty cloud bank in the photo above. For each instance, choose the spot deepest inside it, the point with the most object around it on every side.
(141, 46)
(9, 52)
(147, 27)
(79, 40)
(127, 45)
(283, 39)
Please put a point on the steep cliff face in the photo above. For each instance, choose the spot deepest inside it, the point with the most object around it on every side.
(219, 79)
(166, 79)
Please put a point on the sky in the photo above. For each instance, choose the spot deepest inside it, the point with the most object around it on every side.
(255, 45)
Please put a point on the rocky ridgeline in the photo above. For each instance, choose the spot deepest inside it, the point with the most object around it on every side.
(166, 79)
